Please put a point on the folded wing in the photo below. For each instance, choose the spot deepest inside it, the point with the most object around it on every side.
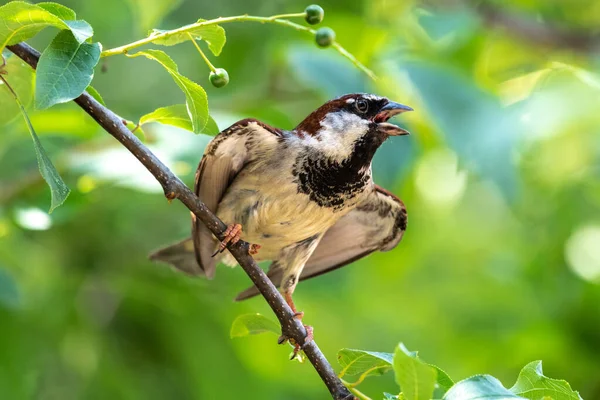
(378, 223)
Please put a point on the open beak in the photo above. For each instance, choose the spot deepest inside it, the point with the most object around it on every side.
(387, 112)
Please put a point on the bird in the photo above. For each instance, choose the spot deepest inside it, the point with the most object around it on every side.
(303, 198)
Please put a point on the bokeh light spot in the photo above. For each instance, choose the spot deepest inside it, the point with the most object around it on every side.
(86, 184)
(438, 178)
(33, 219)
(582, 252)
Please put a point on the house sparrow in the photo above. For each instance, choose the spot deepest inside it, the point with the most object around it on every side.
(304, 198)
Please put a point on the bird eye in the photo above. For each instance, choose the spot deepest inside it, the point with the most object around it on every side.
(361, 105)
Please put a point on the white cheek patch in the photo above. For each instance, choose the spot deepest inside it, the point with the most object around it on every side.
(339, 132)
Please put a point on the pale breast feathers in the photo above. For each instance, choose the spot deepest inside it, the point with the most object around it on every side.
(378, 223)
(223, 159)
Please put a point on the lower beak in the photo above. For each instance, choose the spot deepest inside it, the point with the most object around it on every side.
(391, 129)
(387, 112)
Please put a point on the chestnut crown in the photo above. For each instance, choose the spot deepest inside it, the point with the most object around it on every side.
(368, 107)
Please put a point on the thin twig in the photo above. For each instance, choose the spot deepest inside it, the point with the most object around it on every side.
(276, 19)
(360, 395)
(175, 188)
(206, 60)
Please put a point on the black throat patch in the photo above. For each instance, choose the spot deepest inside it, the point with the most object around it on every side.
(330, 183)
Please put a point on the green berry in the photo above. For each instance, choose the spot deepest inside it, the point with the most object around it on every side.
(219, 77)
(324, 37)
(314, 14)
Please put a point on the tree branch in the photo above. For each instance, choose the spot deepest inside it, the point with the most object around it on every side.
(175, 188)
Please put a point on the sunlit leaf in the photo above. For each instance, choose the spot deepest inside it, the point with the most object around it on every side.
(65, 70)
(443, 383)
(62, 12)
(20, 77)
(480, 387)
(213, 34)
(196, 101)
(177, 115)
(359, 362)
(95, 94)
(533, 385)
(211, 127)
(58, 189)
(21, 21)
(253, 324)
(416, 379)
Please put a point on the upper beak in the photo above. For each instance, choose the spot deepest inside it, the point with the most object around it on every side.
(387, 112)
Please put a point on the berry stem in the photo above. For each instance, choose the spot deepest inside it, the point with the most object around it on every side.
(276, 19)
(353, 60)
(206, 60)
(293, 15)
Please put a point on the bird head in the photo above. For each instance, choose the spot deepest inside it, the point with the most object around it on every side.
(339, 125)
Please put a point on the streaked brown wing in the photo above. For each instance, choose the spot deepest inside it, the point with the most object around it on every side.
(378, 223)
(223, 159)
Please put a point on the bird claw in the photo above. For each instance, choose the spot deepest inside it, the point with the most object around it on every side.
(309, 338)
(299, 315)
(297, 347)
(232, 235)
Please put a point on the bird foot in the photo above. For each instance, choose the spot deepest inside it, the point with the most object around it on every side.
(299, 315)
(232, 235)
(309, 338)
(297, 347)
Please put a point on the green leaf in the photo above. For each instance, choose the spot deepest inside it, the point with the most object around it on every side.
(196, 101)
(177, 115)
(95, 94)
(58, 189)
(533, 385)
(443, 383)
(211, 127)
(416, 379)
(480, 387)
(212, 34)
(80, 29)
(21, 21)
(20, 77)
(253, 324)
(365, 363)
(65, 70)
(62, 12)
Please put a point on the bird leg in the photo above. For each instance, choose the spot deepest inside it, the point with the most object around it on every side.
(232, 236)
(287, 294)
(288, 299)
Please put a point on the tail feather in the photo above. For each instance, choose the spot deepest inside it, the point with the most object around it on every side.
(180, 255)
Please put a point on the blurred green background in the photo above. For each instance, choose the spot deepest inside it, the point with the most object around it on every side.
(500, 264)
